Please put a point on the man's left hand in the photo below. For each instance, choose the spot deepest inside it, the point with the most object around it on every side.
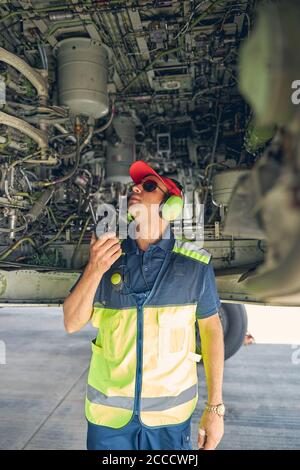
(213, 426)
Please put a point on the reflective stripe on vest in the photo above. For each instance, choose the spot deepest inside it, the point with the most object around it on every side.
(163, 403)
(99, 398)
(191, 250)
(148, 404)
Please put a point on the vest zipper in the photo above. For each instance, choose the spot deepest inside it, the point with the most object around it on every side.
(139, 341)
(137, 402)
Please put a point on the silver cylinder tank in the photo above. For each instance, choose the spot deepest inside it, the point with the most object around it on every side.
(82, 76)
(224, 183)
(121, 155)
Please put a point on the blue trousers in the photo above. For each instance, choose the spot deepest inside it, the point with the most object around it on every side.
(136, 436)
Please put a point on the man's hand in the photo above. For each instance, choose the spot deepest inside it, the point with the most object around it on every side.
(213, 425)
(103, 252)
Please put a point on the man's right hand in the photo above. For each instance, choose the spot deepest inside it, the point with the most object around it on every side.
(103, 252)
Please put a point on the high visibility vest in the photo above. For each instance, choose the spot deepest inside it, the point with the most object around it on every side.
(156, 338)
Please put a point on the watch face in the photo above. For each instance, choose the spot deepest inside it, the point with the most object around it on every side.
(221, 410)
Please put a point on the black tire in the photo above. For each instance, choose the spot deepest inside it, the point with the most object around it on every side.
(234, 321)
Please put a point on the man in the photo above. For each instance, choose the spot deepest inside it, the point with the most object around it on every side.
(145, 297)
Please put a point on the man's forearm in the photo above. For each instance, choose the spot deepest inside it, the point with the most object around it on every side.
(212, 345)
(78, 306)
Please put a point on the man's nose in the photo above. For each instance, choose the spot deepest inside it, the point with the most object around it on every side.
(137, 188)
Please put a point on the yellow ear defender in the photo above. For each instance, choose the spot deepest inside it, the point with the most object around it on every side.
(171, 206)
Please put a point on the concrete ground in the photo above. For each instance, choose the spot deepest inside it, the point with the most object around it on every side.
(43, 372)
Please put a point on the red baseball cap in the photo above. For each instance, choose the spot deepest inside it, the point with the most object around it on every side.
(140, 169)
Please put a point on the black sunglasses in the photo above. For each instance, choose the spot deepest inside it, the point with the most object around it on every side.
(151, 185)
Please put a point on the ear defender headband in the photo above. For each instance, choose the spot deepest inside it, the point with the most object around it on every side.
(171, 206)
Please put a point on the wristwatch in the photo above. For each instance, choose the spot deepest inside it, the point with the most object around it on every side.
(217, 409)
